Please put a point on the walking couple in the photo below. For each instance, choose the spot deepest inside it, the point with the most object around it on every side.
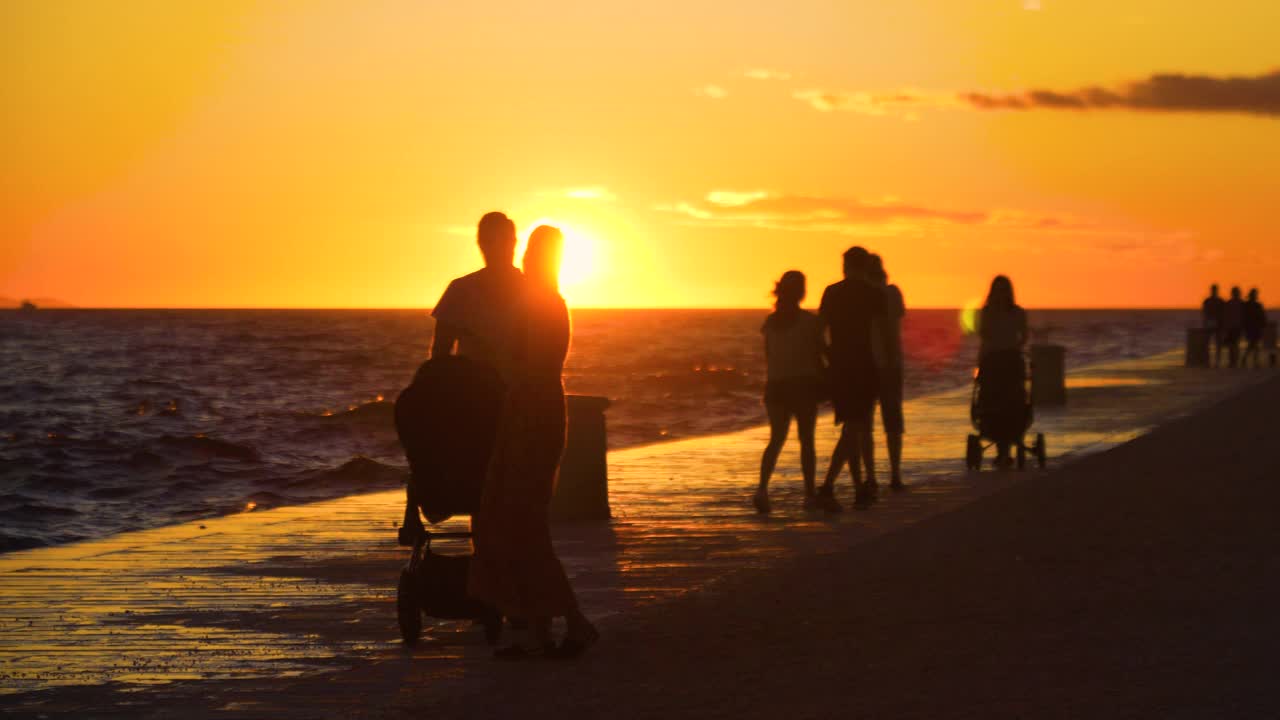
(517, 323)
(851, 350)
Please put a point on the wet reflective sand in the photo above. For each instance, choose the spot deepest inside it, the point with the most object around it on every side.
(153, 617)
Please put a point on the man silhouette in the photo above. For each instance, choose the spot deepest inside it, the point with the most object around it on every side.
(478, 314)
(1211, 312)
(849, 311)
(452, 411)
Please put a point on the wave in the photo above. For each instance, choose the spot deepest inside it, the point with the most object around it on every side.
(206, 448)
(357, 474)
(379, 413)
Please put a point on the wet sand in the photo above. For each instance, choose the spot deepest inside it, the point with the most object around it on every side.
(972, 595)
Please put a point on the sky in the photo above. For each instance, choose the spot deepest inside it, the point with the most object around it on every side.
(339, 154)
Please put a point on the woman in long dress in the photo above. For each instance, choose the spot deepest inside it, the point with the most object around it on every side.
(1002, 328)
(515, 567)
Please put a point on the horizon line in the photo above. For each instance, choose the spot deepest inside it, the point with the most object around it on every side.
(726, 308)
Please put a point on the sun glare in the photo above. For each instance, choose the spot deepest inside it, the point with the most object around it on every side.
(581, 261)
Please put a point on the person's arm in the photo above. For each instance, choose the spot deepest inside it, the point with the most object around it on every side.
(824, 311)
(1022, 328)
(445, 336)
(444, 339)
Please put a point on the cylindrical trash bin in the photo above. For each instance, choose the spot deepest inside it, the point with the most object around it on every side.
(1048, 375)
(1197, 347)
(582, 492)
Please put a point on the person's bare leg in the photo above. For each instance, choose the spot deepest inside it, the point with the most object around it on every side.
(894, 442)
(862, 459)
(826, 497)
(867, 450)
(839, 457)
(779, 424)
(806, 422)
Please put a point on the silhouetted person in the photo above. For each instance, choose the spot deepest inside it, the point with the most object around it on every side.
(515, 567)
(887, 344)
(1002, 328)
(475, 318)
(1255, 325)
(1211, 311)
(1233, 325)
(793, 349)
(476, 315)
(847, 311)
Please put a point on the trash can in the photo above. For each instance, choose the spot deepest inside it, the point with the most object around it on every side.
(1048, 375)
(1197, 347)
(582, 491)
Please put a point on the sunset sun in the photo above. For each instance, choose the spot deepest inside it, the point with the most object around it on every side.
(581, 262)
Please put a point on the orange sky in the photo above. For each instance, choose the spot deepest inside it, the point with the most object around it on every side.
(313, 154)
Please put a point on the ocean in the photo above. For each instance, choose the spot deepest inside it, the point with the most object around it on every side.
(114, 420)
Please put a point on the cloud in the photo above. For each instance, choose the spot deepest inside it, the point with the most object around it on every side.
(590, 193)
(758, 208)
(1000, 229)
(766, 74)
(902, 103)
(714, 92)
(1250, 94)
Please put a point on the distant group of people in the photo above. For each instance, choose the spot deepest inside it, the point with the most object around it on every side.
(518, 324)
(850, 351)
(1231, 320)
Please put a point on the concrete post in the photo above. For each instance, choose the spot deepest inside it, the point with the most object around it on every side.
(582, 492)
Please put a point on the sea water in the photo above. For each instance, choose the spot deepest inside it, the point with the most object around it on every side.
(112, 420)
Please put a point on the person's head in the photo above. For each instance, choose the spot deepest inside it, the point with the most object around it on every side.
(1253, 294)
(875, 269)
(855, 261)
(1235, 292)
(1213, 290)
(789, 290)
(542, 257)
(1001, 293)
(496, 235)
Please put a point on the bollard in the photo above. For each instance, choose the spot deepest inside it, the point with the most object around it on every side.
(582, 491)
(1197, 348)
(1048, 375)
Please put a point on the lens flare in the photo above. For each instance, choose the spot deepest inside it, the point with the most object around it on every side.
(969, 316)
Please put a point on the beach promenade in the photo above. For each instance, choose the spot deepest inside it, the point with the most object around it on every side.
(1134, 579)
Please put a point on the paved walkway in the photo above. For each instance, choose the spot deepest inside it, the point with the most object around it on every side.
(158, 617)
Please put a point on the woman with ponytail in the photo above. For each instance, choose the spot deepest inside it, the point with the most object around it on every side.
(793, 348)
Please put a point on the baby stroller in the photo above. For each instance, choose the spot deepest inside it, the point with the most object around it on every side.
(1001, 410)
(447, 420)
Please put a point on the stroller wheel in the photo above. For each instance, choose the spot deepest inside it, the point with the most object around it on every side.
(408, 612)
(1022, 456)
(973, 453)
(1042, 454)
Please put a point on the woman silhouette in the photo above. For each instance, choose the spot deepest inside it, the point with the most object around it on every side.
(793, 349)
(515, 567)
(1002, 327)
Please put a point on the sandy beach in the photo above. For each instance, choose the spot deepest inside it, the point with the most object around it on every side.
(1129, 581)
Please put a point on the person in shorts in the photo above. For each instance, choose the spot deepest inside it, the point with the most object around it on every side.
(886, 341)
(848, 310)
(793, 350)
